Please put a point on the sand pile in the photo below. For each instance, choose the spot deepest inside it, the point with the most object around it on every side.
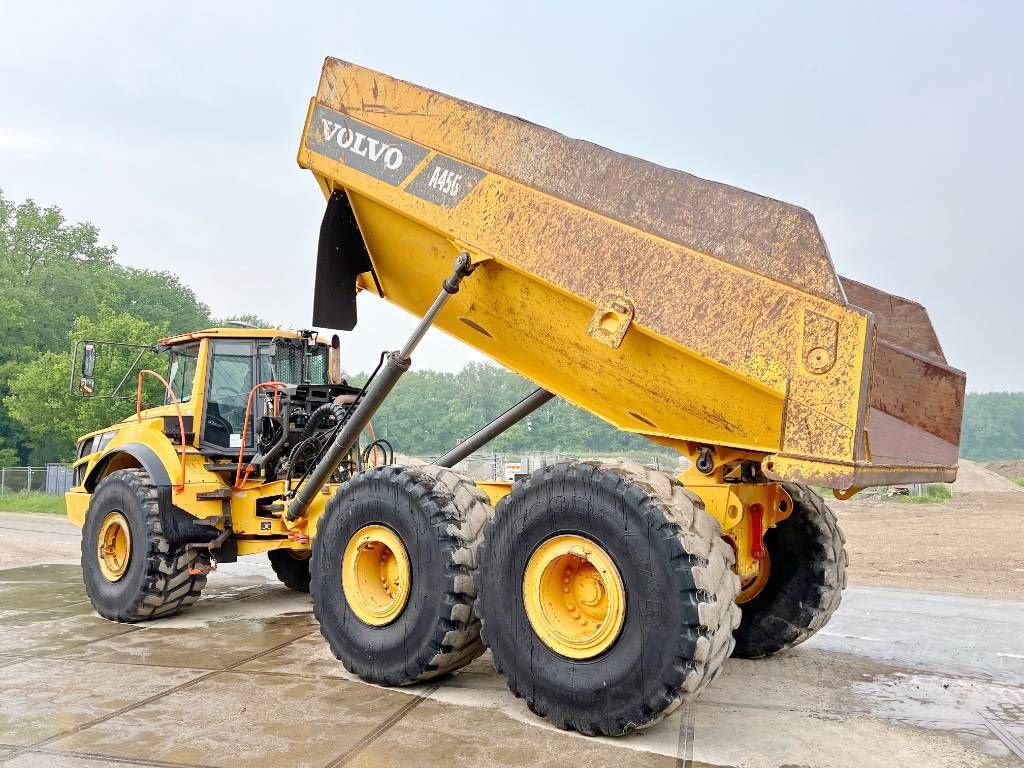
(1011, 469)
(974, 478)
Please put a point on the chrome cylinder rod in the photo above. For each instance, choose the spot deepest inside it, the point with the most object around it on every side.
(508, 419)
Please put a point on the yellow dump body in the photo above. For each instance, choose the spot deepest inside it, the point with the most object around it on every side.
(677, 308)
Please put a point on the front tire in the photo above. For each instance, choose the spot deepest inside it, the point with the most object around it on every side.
(645, 535)
(131, 572)
(805, 583)
(392, 573)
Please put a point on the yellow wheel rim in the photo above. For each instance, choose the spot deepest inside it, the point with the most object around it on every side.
(376, 575)
(574, 597)
(752, 588)
(114, 546)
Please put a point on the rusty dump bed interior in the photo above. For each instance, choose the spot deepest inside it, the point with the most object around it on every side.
(671, 306)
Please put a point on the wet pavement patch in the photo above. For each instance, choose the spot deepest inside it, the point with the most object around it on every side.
(229, 643)
(988, 713)
(45, 697)
(462, 737)
(243, 719)
(46, 633)
(244, 678)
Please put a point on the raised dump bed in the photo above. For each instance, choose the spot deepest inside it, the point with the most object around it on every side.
(671, 306)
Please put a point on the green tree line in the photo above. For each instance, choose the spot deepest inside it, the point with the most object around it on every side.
(62, 285)
(428, 412)
(993, 426)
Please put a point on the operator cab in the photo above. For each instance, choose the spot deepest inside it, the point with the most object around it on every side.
(236, 360)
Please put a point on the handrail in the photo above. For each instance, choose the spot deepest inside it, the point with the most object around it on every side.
(276, 386)
(177, 406)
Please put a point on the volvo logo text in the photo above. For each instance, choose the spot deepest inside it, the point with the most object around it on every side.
(360, 144)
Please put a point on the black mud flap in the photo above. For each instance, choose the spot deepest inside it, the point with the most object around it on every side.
(341, 257)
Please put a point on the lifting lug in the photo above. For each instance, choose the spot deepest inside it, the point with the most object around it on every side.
(705, 462)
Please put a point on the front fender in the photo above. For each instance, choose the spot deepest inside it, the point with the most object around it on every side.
(146, 457)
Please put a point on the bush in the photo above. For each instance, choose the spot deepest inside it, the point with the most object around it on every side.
(932, 493)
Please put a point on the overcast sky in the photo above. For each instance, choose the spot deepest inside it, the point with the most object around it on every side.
(174, 127)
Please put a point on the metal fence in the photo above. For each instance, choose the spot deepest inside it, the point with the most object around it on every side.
(498, 466)
(53, 478)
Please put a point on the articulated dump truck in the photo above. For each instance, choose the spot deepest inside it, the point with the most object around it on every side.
(708, 319)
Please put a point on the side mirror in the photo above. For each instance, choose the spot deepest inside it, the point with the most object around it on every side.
(87, 384)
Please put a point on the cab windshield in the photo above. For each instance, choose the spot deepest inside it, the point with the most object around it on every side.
(182, 371)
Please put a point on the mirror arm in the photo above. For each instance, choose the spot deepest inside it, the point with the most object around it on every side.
(128, 372)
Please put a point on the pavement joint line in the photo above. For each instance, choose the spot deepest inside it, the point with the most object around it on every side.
(325, 676)
(427, 693)
(73, 648)
(1010, 741)
(125, 663)
(100, 757)
(381, 729)
(684, 745)
(127, 631)
(155, 697)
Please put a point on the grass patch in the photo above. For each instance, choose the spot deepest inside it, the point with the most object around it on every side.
(1019, 481)
(32, 502)
(932, 493)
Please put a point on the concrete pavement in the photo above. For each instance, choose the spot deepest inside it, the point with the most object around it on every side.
(898, 678)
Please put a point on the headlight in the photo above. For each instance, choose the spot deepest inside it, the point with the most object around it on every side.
(104, 440)
(85, 447)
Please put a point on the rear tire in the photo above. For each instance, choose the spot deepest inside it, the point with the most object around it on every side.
(806, 582)
(291, 571)
(676, 577)
(433, 517)
(153, 579)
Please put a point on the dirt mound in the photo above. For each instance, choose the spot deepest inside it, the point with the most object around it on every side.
(974, 478)
(1011, 469)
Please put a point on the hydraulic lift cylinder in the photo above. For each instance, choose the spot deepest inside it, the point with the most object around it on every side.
(508, 419)
(394, 366)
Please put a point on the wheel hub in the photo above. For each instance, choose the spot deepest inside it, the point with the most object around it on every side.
(574, 596)
(114, 546)
(376, 575)
(752, 587)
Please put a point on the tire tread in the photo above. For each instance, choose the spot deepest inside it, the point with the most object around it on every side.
(168, 587)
